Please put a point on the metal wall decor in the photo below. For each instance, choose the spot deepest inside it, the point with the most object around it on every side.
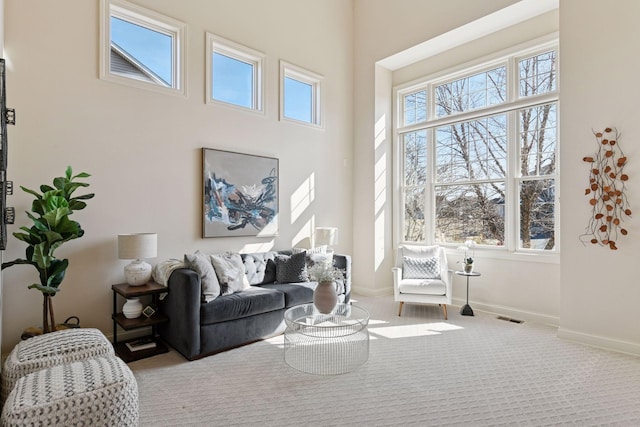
(240, 194)
(7, 117)
(607, 191)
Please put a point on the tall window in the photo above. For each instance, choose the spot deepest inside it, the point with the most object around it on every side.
(478, 152)
(142, 48)
(300, 95)
(235, 74)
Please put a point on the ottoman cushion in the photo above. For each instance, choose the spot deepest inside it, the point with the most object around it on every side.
(55, 348)
(98, 392)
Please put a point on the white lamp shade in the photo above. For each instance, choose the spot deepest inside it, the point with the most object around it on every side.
(326, 236)
(137, 246)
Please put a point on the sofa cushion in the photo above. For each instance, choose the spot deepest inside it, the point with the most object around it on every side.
(260, 267)
(422, 286)
(291, 269)
(252, 301)
(417, 251)
(294, 293)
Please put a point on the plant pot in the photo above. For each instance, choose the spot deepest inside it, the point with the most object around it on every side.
(132, 309)
(468, 268)
(325, 297)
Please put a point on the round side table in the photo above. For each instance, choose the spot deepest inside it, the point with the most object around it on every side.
(466, 309)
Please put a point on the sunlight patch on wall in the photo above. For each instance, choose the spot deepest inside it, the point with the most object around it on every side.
(302, 197)
(258, 247)
(379, 239)
(380, 130)
(303, 237)
(380, 187)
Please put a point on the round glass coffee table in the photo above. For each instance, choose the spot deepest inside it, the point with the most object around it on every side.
(326, 344)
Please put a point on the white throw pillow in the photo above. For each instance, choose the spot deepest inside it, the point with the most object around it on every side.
(201, 264)
(318, 250)
(420, 268)
(415, 251)
(230, 271)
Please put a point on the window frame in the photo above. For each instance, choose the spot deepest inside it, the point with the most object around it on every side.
(316, 81)
(239, 52)
(151, 20)
(511, 107)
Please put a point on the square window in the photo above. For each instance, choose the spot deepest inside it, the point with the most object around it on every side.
(142, 48)
(300, 95)
(234, 74)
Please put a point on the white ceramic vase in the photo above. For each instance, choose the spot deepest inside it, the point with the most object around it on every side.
(132, 309)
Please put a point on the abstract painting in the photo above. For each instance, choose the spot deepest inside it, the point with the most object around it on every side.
(240, 194)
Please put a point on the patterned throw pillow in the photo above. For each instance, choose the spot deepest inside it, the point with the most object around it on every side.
(230, 271)
(421, 268)
(291, 269)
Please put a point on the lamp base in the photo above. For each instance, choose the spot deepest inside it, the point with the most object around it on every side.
(137, 273)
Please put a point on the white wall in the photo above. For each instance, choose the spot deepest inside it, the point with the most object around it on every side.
(599, 85)
(143, 148)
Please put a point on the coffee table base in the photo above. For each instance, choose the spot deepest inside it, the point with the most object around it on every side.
(323, 356)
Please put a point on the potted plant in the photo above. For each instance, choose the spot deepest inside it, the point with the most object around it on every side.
(467, 261)
(51, 228)
(325, 296)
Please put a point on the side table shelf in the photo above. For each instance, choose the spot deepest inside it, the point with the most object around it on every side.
(119, 320)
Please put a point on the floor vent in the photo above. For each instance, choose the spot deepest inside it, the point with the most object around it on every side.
(509, 319)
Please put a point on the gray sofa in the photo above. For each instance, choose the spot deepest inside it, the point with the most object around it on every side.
(197, 329)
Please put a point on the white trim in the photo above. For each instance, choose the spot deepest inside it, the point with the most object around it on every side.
(508, 58)
(155, 21)
(527, 316)
(503, 18)
(599, 341)
(220, 45)
(316, 81)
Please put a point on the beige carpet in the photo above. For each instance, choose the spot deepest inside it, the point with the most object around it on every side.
(423, 371)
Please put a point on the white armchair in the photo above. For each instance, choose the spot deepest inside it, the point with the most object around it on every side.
(421, 275)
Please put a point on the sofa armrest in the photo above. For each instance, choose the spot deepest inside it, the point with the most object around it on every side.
(182, 306)
(343, 262)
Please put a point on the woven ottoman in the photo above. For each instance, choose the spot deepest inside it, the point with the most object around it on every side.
(55, 348)
(97, 392)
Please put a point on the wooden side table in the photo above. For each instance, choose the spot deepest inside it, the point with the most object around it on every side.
(127, 291)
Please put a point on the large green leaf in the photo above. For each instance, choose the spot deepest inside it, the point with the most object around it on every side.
(57, 218)
(44, 289)
(51, 228)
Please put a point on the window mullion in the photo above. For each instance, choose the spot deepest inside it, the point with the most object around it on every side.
(430, 205)
(512, 213)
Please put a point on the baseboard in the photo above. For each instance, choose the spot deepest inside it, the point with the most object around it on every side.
(599, 342)
(527, 316)
(368, 292)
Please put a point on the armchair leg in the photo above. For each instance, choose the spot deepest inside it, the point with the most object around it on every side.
(444, 310)
(400, 311)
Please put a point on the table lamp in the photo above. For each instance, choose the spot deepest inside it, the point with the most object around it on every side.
(136, 247)
(326, 236)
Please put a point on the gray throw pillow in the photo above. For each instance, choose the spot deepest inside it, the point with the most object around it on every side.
(201, 264)
(420, 268)
(292, 269)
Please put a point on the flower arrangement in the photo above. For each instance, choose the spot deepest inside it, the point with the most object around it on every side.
(468, 245)
(324, 272)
